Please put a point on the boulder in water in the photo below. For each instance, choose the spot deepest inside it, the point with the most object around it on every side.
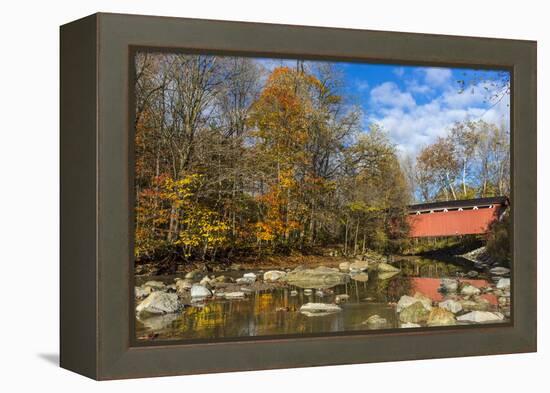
(159, 303)
(405, 301)
(206, 281)
(142, 292)
(155, 285)
(441, 317)
(183, 285)
(358, 266)
(449, 285)
(470, 290)
(481, 317)
(344, 266)
(273, 275)
(451, 305)
(500, 271)
(415, 313)
(246, 279)
(320, 277)
(200, 291)
(317, 309)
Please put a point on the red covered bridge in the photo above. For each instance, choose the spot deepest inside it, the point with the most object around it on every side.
(455, 218)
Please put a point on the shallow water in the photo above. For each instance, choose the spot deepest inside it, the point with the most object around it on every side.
(276, 312)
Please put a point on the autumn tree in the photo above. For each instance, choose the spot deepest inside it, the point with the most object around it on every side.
(438, 168)
(474, 158)
(233, 158)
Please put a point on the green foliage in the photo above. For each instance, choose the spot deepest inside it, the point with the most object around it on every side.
(498, 240)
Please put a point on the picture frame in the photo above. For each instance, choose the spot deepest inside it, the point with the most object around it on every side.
(96, 172)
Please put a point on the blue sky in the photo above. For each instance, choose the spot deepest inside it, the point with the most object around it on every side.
(416, 104)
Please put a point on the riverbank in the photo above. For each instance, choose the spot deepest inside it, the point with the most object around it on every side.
(330, 258)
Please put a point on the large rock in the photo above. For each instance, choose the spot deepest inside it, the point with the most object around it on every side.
(479, 304)
(142, 292)
(320, 277)
(316, 309)
(426, 301)
(449, 285)
(159, 303)
(375, 322)
(503, 283)
(155, 285)
(451, 305)
(500, 271)
(200, 291)
(183, 285)
(481, 317)
(344, 266)
(247, 278)
(206, 281)
(470, 290)
(406, 301)
(441, 317)
(359, 266)
(415, 313)
(273, 275)
(386, 267)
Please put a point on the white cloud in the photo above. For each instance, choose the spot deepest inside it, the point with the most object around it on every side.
(417, 88)
(388, 94)
(412, 127)
(436, 76)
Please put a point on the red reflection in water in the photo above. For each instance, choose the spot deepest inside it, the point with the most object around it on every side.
(429, 287)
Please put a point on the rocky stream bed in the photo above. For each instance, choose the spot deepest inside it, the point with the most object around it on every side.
(355, 294)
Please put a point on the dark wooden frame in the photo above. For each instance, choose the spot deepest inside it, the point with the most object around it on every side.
(96, 173)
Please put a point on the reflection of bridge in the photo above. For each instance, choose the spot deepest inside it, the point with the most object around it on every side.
(454, 218)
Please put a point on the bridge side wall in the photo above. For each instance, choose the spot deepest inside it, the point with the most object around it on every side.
(452, 223)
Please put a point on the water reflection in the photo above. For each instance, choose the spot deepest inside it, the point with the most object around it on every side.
(276, 311)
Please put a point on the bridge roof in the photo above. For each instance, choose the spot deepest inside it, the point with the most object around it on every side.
(462, 203)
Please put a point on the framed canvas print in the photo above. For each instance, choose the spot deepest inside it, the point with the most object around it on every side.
(240, 196)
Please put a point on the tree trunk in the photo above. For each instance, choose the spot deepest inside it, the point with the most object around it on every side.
(355, 241)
